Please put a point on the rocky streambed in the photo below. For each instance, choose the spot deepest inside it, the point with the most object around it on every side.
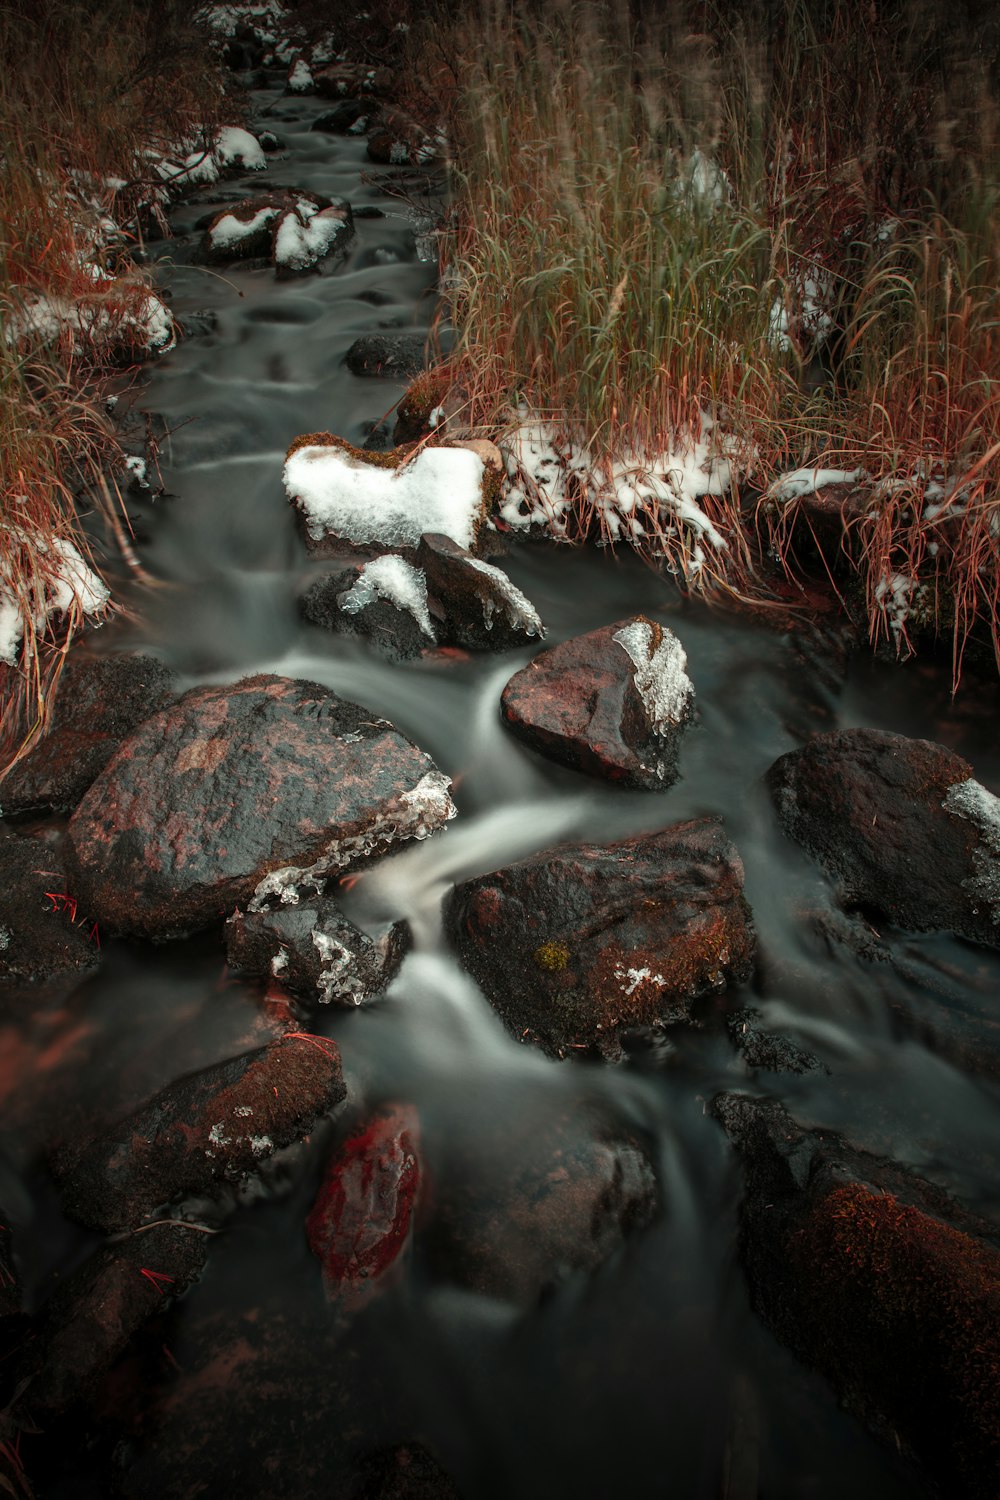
(475, 1025)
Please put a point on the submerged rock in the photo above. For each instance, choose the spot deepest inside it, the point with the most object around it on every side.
(312, 949)
(880, 1281)
(900, 823)
(613, 703)
(576, 945)
(205, 1130)
(94, 1313)
(394, 356)
(480, 609)
(270, 777)
(359, 1225)
(43, 929)
(762, 1048)
(100, 701)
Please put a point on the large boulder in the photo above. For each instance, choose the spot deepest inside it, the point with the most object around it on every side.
(270, 777)
(880, 1281)
(99, 702)
(480, 609)
(901, 825)
(613, 703)
(576, 945)
(204, 1131)
(315, 951)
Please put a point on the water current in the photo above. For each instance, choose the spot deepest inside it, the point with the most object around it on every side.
(651, 1377)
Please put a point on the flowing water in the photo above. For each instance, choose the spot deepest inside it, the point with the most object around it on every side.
(651, 1377)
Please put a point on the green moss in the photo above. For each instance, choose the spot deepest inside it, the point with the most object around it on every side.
(551, 956)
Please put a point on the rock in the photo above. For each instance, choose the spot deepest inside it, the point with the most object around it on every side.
(426, 397)
(480, 608)
(91, 1318)
(613, 703)
(243, 230)
(305, 235)
(43, 930)
(343, 116)
(393, 356)
(517, 1214)
(359, 1224)
(208, 1129)
(314, 951)
(900, 824)
(339, 79)
(405, 1472)
(384, 600)
(881, 1282)
(272, 777)
(576, 945)
(384, 502)
(766, 1049)
(397, 139)
(99, 702)
(293, 230)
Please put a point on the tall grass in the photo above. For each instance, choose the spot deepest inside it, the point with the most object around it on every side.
(837, 306)
(85, 90)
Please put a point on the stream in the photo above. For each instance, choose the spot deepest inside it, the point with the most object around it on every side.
(652, 1376)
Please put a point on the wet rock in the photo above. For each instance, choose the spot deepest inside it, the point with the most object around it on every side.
(359, 1225)
(91, 1318)
(272, 777)
(343, 116)
(881, 1282)
(405, 1472)
(202, 1132)
(480, 609)
(384, 600)
(338, 79)
(313, 950)
(99, 702)
(613, 703)
(900, 824)
(576, 945)
(394, 356)
(43, 930)
(762, 1048)
(513, 1217)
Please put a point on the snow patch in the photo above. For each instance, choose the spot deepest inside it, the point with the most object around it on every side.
(231, 231)
(300, 78)
(238, 148)
(807, 481)
(304, 236)
(393, 579)
(342, 495)
(70, 584)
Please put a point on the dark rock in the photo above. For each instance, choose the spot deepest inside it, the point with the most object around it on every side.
(340, 119)
(318, 602)
(575, 945)
(205, 1130)
(766, 1049)
(384, 599)
(339, 79)
(881, 1282)
(314, 951)
(99, 702)
(263, 212)
(513, 1217)
(900, 823)
(394, 356)
(430, 394)
(613, 703)
(406, 1472)
(233, 784)
(359, 1225)
(480, 608)
(397, 139)
(378, 437)
(270, 142)
(92, 1316)
(43, 931)
(202, 321)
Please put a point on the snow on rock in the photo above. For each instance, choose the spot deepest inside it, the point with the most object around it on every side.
(476, 604)
(894, 596)
(62, 584)
(516, 608)
(300, 79)
(392, 578)
(343, 493)
(113, 319)
(306, 233)
(661, 678)
(799, 482)
(231, 234)
(235, 147)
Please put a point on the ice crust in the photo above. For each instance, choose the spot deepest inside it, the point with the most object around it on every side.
(519, 611)
(661, 678)
(71, 583)
(396, 580)
(343, 496)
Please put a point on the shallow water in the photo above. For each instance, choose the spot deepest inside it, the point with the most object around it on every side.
(637, 1380)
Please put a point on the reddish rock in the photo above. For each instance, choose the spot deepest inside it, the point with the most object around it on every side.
(900, 824)
(100, 700)
(233, 784)
(205, 1130)
(575, 945)
(89, 1321)
(313, 950)
(613, 703)
(43, 929)
(480, 609)
(359, 1225)
(880, 1281)
(517, 1211)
